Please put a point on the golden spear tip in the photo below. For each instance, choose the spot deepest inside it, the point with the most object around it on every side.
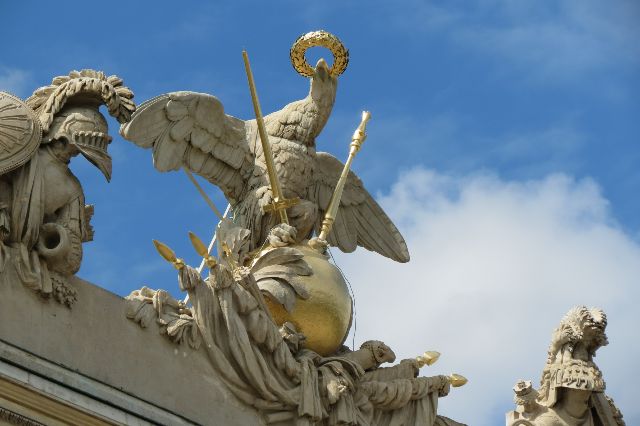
(457, 380)
(202, 250)
(428, 358)
(198, 245)
(164, 250)
(168, 254)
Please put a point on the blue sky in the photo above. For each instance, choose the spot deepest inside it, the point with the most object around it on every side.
(479, 108)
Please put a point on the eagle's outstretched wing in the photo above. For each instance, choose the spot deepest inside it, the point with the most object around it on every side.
(360, 220)
(191, 129)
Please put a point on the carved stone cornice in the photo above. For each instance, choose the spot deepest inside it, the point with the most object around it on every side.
(17, 419)
(22, 405)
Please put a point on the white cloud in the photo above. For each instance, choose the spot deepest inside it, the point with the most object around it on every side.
(495, 265)
(13, 81)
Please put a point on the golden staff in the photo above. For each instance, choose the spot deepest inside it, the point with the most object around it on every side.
(356, 143)
(278, 204)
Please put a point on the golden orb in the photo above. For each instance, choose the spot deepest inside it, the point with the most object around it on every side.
(325, 317)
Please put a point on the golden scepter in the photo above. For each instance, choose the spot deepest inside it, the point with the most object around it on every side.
(356, 143)
(278, 204)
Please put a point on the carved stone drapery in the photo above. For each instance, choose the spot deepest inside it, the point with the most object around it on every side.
(267, 366)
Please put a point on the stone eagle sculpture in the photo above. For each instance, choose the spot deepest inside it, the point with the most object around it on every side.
(191, 130)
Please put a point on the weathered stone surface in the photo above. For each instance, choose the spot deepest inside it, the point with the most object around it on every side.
(96, 340)
(572, 388)
(43, 217)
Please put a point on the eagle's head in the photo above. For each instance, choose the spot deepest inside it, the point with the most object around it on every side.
(322, 96)
(323, 85)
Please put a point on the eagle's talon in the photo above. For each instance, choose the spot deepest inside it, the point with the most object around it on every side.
(282, 235)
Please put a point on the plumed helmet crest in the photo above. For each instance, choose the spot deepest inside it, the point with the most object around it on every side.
(86, 84)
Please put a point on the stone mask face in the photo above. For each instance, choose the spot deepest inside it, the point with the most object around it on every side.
(86, 129)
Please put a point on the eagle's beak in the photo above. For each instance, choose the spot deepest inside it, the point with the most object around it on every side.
(322, 69)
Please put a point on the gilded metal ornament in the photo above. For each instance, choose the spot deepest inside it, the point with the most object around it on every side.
(324, 316)
(428, 358)
(322, 39)
(279, 204)
(356, 143)
(457, 380)
(202, 250)
(168, 255)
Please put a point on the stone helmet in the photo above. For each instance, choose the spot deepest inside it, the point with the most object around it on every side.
(67, 110)
(574, 344)
(84, 127)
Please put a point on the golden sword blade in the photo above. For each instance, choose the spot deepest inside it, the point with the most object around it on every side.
(279, 205)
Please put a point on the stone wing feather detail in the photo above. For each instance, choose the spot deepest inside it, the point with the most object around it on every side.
(360, 220)
(191, 129)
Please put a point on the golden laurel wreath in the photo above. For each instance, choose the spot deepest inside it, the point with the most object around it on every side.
(323, 39)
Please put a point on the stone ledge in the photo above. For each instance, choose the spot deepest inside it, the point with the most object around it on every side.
(39, 380)
(94, 350)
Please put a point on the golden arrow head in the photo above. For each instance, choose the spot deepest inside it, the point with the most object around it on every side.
(168, 254)
(428, 358)
(202, 250)
(457, 380)
(165, 251)
(198, 245)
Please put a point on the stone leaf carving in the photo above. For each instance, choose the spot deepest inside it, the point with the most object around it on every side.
(43, 216)
(276, 273)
